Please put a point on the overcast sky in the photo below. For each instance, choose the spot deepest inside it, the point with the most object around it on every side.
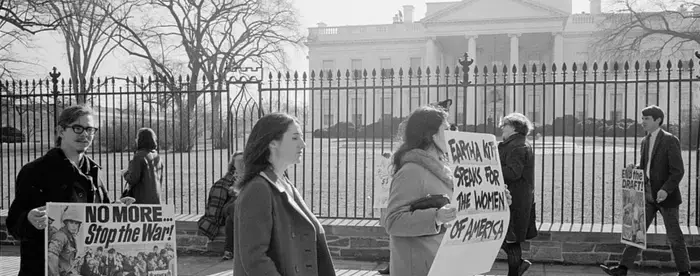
(50, 50)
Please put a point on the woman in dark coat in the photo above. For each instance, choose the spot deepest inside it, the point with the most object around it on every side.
(145, 169)
(275, 233)
(518, 168)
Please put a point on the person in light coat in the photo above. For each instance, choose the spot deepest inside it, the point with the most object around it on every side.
(419, 169)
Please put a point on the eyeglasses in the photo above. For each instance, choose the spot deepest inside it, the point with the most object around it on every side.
(78, 129)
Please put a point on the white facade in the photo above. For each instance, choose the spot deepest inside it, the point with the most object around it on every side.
(493, 32)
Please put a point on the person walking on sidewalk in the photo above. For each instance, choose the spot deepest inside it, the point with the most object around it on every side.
(63, 174)
(518, 168)
(275, 233)
(663, 169)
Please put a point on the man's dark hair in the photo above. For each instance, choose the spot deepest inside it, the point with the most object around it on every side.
(654, 112)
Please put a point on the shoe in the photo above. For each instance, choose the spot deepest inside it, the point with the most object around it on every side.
(524, 265)
(227, 255)
(614, 270)
(686, 273)
(384, 271)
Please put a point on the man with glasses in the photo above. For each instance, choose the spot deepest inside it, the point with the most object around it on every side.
(63, 174)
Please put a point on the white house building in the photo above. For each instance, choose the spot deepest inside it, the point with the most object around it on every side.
(492, 32)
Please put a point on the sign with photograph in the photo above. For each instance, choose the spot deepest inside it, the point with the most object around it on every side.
(483, 214)
(110, 239)
(634, 230)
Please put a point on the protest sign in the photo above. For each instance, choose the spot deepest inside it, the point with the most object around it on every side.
(634, 230)
(108, 239)
(472, 242)
(381, 189)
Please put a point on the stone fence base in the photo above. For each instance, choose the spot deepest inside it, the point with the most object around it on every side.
(365, 240)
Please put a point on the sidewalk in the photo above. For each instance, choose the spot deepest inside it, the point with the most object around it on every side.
(213, 266)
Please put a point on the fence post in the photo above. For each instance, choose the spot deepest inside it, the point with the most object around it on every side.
(54, 79)
(697, 166)
(465, 61)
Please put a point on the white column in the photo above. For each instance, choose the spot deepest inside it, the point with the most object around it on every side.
(514, 49)
(514, 60)
(558, 49)
(430, 56)
(471, 47)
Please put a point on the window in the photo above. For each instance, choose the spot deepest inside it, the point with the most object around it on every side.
(416, 63)
(386, 108)
(533, 105)
(581, 56)
(415, 101)
(652, 98)
(356, 68)
(685, 114)
(615, 115)
(357, 120)
(385, 66)
(460, 118)
(357, 108)
(328, 120)
(581, 105)
(328, 67)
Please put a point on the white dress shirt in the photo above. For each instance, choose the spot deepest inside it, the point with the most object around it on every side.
(650, 145)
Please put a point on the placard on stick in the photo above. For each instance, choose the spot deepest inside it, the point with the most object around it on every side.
(472, 242)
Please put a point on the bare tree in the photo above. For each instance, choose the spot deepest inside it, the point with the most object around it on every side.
(27, 15)
(88, 34)
(649, 29)
(211, 37)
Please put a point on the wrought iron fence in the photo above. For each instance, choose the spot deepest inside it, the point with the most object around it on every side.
(586, 116)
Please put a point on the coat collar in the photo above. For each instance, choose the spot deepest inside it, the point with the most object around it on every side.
(515, 137)
(57, 154)
(278, 183)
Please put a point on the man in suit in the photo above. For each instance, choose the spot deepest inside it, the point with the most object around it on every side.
(663, 169)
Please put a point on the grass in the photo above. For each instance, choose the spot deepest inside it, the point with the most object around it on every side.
(578, 184)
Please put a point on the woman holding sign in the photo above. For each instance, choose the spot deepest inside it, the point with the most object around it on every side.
(275, 233)
(518, 168)
(419, 170)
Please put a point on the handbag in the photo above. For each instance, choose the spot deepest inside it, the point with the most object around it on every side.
(429, 202)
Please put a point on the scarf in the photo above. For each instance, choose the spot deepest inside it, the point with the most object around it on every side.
(429, 162)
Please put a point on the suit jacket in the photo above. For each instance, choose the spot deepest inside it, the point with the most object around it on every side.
(275, 233)
(666, 167)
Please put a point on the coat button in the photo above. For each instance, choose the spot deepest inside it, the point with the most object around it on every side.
(296, 268)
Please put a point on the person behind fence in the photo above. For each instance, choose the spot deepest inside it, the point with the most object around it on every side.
(221, 195)
(235, 170)
(62, 248)
(661, 160)
(275, 233)
(144, 175)
(419, 169)
(64, 174)
(518, 170)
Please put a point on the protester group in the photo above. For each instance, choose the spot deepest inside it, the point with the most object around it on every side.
(269, 228)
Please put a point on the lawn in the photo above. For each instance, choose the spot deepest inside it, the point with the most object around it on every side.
(575, 178)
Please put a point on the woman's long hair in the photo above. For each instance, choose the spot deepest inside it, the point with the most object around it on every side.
(256, 155)
(146, 139)
(420, 127)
